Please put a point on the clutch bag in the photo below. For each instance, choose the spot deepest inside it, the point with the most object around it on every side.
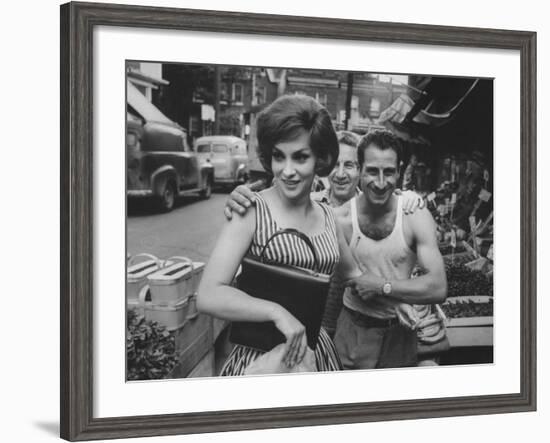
(302, 292)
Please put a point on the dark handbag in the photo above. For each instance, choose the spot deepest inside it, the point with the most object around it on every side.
(300, 291)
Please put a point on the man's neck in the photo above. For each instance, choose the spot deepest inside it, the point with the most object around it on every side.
(377, 211)
(335, 201)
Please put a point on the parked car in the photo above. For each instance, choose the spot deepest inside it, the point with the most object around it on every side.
(228, 156)
(160, 163)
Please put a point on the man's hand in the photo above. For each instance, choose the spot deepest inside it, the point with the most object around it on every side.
(407, 315)
(366, 286)
(411, 202)
(239, 201)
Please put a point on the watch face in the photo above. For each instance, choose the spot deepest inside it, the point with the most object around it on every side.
(386, 288)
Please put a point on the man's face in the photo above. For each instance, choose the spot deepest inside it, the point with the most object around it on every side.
(379, 174)
(344, 178)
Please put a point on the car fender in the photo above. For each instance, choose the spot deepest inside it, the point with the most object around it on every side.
(207, 170)
(162, 174)
(242, 170)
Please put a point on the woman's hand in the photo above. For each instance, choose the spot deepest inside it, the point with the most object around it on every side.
(407, 315)
(295, 334)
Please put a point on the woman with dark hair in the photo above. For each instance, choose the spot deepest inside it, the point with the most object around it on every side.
(296, 141)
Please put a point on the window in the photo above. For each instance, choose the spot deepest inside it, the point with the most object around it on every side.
(223, 92)
(237, 93)
(261, 94)
(203, 148)
(321, 98)
(131, 139)
(219, 149)
(375, 106)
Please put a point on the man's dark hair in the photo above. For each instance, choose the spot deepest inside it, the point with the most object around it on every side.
(283, 120)
(382, 139)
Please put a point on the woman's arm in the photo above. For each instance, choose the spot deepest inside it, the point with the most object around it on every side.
(217, 297)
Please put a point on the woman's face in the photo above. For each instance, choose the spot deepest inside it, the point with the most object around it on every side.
(293, 165)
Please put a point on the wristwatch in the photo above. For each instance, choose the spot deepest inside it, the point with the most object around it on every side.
(386, 288)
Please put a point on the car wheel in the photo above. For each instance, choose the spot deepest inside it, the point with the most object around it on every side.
(168, 197)
(207, 191)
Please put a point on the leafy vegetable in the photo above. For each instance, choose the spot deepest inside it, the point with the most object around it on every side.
(150, 349)
(462, 309)
(464, 281)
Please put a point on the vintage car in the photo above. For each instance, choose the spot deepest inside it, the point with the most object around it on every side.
(227, 154)
(160, 163)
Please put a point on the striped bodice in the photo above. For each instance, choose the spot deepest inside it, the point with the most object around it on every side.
(289, 249)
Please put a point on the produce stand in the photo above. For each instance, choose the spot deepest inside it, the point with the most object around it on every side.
(166, 299)
(461, 204)
(469, 331)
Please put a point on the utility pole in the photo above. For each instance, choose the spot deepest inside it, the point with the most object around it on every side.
(253, 99)
(349, 94)
(217, 87)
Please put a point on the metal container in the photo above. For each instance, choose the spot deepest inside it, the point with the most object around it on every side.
(175, 282)
(173, 317)
(136, 275)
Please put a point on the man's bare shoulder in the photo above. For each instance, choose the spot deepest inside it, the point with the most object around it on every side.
(420, 224)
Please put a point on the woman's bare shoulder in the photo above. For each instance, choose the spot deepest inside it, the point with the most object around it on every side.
(242, 223)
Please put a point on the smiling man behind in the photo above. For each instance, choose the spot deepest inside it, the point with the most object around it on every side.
(344, 178)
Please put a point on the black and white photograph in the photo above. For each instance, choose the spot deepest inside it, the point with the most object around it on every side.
(282, 220)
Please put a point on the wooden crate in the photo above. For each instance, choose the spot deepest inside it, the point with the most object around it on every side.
(470, 331)
(193, 341)
(218, 326)
(205, 367)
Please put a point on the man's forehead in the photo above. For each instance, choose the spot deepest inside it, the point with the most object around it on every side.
(373, 154)
(347, 153)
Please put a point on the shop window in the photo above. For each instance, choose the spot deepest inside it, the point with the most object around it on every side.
(237, 93)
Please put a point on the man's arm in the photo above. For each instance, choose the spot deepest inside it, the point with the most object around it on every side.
(241, 198)
(337, 282)
(427, 289)
(432, 286)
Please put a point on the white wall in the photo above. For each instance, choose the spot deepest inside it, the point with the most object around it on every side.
(29, 321)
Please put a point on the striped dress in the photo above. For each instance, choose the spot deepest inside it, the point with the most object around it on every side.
(290, 250)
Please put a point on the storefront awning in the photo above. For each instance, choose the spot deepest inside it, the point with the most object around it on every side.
(147, 110)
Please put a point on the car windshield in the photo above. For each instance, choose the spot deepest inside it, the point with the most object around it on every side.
(219, 149)
(203, 148)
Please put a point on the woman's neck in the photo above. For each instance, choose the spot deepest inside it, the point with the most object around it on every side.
(301, 205)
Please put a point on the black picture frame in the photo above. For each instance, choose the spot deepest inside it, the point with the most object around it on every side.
(77, 23)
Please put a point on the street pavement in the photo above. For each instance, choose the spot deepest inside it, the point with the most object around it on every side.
(190, 230)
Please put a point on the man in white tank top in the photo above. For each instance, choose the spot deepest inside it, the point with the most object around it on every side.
(387, 246)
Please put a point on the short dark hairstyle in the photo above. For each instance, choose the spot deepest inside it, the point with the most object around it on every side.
(383, 139)
(283, 120)
(348, 138)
